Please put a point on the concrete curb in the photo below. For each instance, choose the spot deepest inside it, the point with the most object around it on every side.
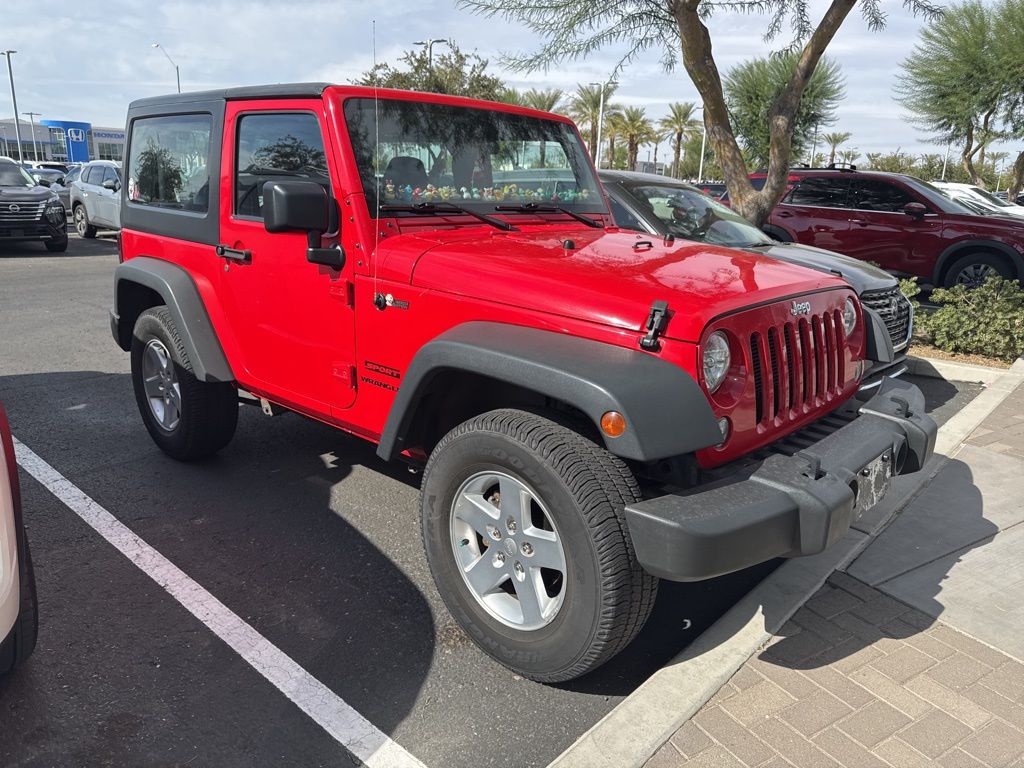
(632, 732)
(951, 370)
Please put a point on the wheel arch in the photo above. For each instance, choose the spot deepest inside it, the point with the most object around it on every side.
(576, 379)
(778, 233)
(144, 282)
(962, 247)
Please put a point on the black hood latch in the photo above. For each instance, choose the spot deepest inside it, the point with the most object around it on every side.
(657, 321)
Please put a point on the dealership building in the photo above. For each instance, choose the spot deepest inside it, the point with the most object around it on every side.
(61, 140)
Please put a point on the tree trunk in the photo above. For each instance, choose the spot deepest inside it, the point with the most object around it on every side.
(832, 156)
(593, 139)
(633, 147)
(1016, 180)
(675, 155)
(700, 64)
(967, 157)
(611, 151)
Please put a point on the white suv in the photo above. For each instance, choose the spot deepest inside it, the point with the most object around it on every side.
(96, 198)
(18, 617)
(986, 199)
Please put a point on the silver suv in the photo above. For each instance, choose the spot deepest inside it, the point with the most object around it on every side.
(96, 198)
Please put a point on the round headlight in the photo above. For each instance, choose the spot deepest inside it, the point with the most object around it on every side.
(849, 316)
(716, 360)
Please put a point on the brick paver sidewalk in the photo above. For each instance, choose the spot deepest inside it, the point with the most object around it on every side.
(860, 679)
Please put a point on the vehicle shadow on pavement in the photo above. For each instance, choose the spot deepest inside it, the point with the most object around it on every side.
(846, 615)
(270, 526)
(77, 248)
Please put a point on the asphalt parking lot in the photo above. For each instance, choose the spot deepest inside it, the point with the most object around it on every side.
(295, 527)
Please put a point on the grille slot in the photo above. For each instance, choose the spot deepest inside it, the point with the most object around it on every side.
(797, 366)
(894, 308)
(26, 212)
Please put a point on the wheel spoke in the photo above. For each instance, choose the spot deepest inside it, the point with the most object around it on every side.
(483, 576)
(151, 384)
(547, 552)
(529, 593)
(477, 512)
(515, 502)
(173, 407)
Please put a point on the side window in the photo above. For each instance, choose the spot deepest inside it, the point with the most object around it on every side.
(89, 175)
(624, 218)
(110, 174)
(823, 192)
(870, 195)
(276, 146)
(168, 162)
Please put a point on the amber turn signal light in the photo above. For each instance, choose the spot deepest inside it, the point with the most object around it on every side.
(613, 424)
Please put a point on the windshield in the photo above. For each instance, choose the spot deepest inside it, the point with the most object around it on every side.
(986, 195)
(431, 153)
(686, 212)
(12, 175)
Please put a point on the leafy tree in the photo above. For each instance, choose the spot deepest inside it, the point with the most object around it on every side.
(548, 100)
(751, 88)
(636, 128)
(613, 132)
(510, 95)
(574, 29)
(585, 108)
(952, 83)
(453, 72)
(678, 125)
(834, 140)
(849, 156)
(1006, 47)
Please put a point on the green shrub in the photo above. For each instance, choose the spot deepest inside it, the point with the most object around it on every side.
(988, 320)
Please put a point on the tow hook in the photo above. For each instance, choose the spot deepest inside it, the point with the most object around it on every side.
(657, 321)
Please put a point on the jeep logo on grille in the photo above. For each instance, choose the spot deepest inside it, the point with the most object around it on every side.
(800, 308)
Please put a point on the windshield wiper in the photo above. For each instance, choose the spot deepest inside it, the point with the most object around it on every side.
(429, 209)
(537, 208)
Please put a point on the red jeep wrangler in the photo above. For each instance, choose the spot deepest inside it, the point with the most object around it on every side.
(593, 409)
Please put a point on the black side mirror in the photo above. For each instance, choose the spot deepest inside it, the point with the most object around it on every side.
(41, 182)
(110, 184)
(302, 206)
(916, 210)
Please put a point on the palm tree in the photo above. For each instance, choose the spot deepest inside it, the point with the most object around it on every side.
(613, 131)
(680, 125)
(510, 95)
(585, 108)
(834, 140)
(849, 156)
(636, 129)
(547, 100)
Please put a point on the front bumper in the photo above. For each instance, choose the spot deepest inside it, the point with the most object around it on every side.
(39, 229)
(789, 505)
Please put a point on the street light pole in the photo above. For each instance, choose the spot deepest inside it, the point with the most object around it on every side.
(600, 120)
(32, 119)
(14, 98)
(177, 72)
(430, 49)
(945, 161)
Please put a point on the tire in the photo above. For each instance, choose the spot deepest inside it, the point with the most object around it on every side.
(57, 246)
(82, 225)
(21, 641)
(206, 413)
(974, 268)
(603, 597)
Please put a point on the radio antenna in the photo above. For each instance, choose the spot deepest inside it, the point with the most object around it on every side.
(378, 300)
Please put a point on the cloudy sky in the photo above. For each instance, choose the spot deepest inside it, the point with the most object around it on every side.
(86, 60)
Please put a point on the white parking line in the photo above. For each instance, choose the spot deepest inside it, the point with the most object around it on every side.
(357, 734)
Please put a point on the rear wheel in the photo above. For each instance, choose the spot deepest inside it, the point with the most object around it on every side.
(82, 225)
(525, 534)
(187, 418)
(974, 269)
(21, 641)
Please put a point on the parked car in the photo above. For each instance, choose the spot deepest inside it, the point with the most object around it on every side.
(30, 210)
(997, 205)
(96, 198)
(55, 180)
(18, 616)
(558, 381)
(662, 206)
(905, 225)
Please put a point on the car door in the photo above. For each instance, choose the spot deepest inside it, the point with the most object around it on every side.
(88, 185)
(293, 320)
(107, 199)
(814, 212)
(882, 232)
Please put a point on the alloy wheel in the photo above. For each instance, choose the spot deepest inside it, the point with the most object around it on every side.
(163, 391)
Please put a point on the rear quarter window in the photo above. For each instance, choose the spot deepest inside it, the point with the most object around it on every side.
(168, 162)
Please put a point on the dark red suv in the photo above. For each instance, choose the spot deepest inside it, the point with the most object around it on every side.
(901, 223)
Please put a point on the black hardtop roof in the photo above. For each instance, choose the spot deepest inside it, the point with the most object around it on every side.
(278, 91)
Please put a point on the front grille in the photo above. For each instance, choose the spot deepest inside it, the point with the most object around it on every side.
(797, 366)
(894, 308)
(15, 213)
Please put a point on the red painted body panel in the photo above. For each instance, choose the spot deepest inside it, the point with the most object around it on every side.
(302, 335)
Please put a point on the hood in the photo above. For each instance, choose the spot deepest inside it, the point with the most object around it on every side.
(610, 277)
(26, 194)
(859, 274)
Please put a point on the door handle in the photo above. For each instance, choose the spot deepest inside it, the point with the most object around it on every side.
(784, 214)
(235, 254)
(862, 222)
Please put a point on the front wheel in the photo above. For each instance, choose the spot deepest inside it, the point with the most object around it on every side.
(57, 246)
(525, 534)
(187, 418)
(82, 225)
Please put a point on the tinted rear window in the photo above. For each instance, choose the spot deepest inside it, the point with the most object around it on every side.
(168, 162)
(820, 192)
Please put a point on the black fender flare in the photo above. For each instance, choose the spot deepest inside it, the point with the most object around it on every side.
(962, 246)
(179, 293)
(666, 411)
